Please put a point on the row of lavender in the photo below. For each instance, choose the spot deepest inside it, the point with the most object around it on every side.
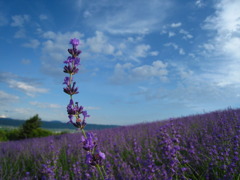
(195, 147)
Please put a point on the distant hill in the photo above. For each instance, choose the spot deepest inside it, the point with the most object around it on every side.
(53, 124)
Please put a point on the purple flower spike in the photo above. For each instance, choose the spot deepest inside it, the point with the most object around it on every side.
(74, 52)
(85, 115)
(67, 81)
(89, 159)
(102, 155)
(89, 143)
(76, 61)
(70, 108)
(74, 42)
(69, 60)
(71, 90)
(95, 159)
(70, 70)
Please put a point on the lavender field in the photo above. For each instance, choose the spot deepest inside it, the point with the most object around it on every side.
(194, 147)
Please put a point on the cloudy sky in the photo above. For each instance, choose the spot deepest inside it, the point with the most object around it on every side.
(141, 61)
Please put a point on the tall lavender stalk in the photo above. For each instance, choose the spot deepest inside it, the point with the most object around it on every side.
(94, 156)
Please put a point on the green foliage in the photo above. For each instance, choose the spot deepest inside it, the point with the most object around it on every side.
(3, 136)
(39, 132)
(12, 134)
(30, 129)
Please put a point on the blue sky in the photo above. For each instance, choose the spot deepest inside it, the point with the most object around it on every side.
(141, 61)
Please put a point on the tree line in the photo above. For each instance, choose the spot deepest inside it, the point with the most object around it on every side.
(30, 129)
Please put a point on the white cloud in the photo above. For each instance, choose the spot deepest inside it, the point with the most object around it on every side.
(208, 46)
(141, 50)
(175, 25)
(176, 47)
(128, 16)
(6, 97)
(45, 105)
(127, 73)
(157, 69)
(186, 34)
(121, 73)
(171, 34)
(199, 3)
(181, 51)
(28, 89)
(33, 43)
(154, 53)
(100, 44)
(20, 20)
(224, 24)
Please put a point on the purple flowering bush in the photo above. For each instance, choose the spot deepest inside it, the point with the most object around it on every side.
(195, 147)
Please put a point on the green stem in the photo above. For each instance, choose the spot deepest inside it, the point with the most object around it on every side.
(100, 171)
(84, 134)
(104, 171)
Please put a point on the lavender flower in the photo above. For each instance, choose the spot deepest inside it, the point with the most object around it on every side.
(74, 42)
(89, 143)
(94, 156)
(71, 90)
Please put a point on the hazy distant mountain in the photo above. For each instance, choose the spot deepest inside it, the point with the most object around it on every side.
(52, 124)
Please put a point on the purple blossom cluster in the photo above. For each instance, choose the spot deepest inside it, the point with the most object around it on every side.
(195, 147)
(71, 68)
(94, 156)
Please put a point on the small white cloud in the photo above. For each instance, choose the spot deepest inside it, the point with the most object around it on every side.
(45, 105)
(176, 47)
(28, 89)
(171, 34)
(181, 51)
(33, 43)
(208, 46)
(175, 25)
(43, 17)
(184, 73)
(186, 34)
(154, 53)
(199, 3)
(20, 20)
(100, 44)
(141, 50)
(3, 116)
